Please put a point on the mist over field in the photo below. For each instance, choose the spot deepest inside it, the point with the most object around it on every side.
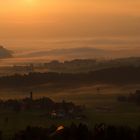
(28, 51)
(70, 70)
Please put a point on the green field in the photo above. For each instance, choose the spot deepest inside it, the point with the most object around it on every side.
(119, 113)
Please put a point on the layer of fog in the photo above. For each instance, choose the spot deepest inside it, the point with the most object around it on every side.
(36, 51)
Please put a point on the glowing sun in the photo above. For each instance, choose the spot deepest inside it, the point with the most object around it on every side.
(30, 2)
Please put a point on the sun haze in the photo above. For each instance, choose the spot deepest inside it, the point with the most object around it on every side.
(54, 19)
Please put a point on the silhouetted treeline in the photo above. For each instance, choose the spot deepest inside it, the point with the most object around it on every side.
(120, 75)
(132, 97)
(79, 132)
(86, 65)
(71, 66)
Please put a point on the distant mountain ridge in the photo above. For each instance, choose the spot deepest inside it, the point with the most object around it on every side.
(82, 52)
(68, 53)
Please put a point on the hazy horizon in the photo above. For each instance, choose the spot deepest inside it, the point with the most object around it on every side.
(69, 69)
(36, 24)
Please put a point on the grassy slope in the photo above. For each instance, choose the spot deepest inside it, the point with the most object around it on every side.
(121, 114)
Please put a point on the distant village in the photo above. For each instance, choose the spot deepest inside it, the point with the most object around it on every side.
(55, 110)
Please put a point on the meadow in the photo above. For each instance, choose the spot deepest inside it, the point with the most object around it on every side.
(101, 107)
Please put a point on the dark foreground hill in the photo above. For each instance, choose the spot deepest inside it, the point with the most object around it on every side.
(79, 132)
(119, 75)
(76, 132)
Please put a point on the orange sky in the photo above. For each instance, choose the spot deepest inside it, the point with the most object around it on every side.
(54, 19)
